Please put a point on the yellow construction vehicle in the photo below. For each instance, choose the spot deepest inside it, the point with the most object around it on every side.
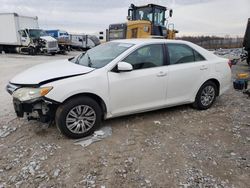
(147, 21)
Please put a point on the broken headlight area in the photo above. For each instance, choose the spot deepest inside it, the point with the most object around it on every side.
(32, 103)
(37, 109)
(26, 94)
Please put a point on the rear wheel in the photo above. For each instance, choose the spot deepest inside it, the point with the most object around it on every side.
(206, 96)
(78, 117)
(248, 58)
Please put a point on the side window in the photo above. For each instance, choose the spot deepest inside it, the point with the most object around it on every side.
(198, 57)
(146, 57)
(179, 53)
(22, 33)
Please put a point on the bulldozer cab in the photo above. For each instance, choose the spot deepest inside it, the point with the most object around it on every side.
(155, 14)
(151, 12)
(147, 21)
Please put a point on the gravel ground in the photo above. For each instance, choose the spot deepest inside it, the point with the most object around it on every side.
(174, 147)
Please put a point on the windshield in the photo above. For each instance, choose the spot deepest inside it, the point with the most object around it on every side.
(36, 33)
(159, 17)
(101, 55)
(144, 14)
(63, 34)
(147, 13)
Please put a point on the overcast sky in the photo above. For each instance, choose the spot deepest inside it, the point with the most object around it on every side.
(191, 17)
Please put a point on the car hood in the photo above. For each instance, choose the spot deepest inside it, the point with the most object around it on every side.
(48, 72)
(48, 38)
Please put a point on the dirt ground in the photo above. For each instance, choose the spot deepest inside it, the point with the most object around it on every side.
(174, 147)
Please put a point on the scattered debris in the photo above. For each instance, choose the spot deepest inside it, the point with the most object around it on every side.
(197, 148)
(157, 122)
(6, 130)
(196, 178)
(95, 137)
(232, 153)
(89, 180)
(56, 173)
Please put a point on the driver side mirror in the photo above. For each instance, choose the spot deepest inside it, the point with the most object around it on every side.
(124, 67)
(170, 13)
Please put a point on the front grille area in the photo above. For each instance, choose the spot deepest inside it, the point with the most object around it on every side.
(116, 34)
(52, 44)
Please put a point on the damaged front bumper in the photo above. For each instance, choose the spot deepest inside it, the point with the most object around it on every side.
(41, 108)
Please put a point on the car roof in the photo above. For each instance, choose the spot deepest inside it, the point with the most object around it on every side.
(148, 41)
(202, 51)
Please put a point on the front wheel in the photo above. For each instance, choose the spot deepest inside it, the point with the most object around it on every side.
(32, 51)
(78, 117)
(206, 96)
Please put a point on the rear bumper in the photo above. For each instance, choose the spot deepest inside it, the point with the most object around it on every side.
(224, 89)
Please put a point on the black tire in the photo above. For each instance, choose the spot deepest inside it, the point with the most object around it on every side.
(53, 53)
(32, 51)
(248, 58)
(63, 112)
(199, 102)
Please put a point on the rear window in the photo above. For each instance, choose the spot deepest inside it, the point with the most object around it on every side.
(181, 53)
(198, 57)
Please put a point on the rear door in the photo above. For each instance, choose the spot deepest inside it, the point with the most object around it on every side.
(186, 72)
(143, 88)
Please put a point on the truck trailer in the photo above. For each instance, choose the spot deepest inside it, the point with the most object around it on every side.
(83, 42)
(63, 39)
(22, 34)
(246, 42)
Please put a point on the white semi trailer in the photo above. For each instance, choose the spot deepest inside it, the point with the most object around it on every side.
(82, 41)
(22, 34)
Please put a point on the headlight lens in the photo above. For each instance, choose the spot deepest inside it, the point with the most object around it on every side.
(24, 94)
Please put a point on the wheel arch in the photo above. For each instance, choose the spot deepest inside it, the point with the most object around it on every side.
(95, 97)
(216, 82)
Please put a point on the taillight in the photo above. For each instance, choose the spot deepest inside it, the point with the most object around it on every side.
(230, 63)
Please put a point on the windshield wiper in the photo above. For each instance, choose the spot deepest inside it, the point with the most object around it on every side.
(77, 59)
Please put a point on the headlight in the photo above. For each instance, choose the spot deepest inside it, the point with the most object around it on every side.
(24, 94)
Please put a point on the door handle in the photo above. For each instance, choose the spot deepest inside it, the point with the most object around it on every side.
(161, 74)
(203, 68)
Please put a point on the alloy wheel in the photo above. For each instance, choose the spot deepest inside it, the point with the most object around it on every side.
(207, 95)
(80, 119)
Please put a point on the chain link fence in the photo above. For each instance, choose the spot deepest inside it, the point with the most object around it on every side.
(215, 42)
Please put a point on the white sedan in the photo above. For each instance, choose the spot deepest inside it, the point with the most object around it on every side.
(119, 78)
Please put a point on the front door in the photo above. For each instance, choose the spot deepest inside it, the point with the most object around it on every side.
(25, 40)
(144, 88)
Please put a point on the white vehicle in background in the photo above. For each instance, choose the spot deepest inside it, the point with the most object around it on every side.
(83, 42)
(62, 37)
(22, 34)
(119, 78)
